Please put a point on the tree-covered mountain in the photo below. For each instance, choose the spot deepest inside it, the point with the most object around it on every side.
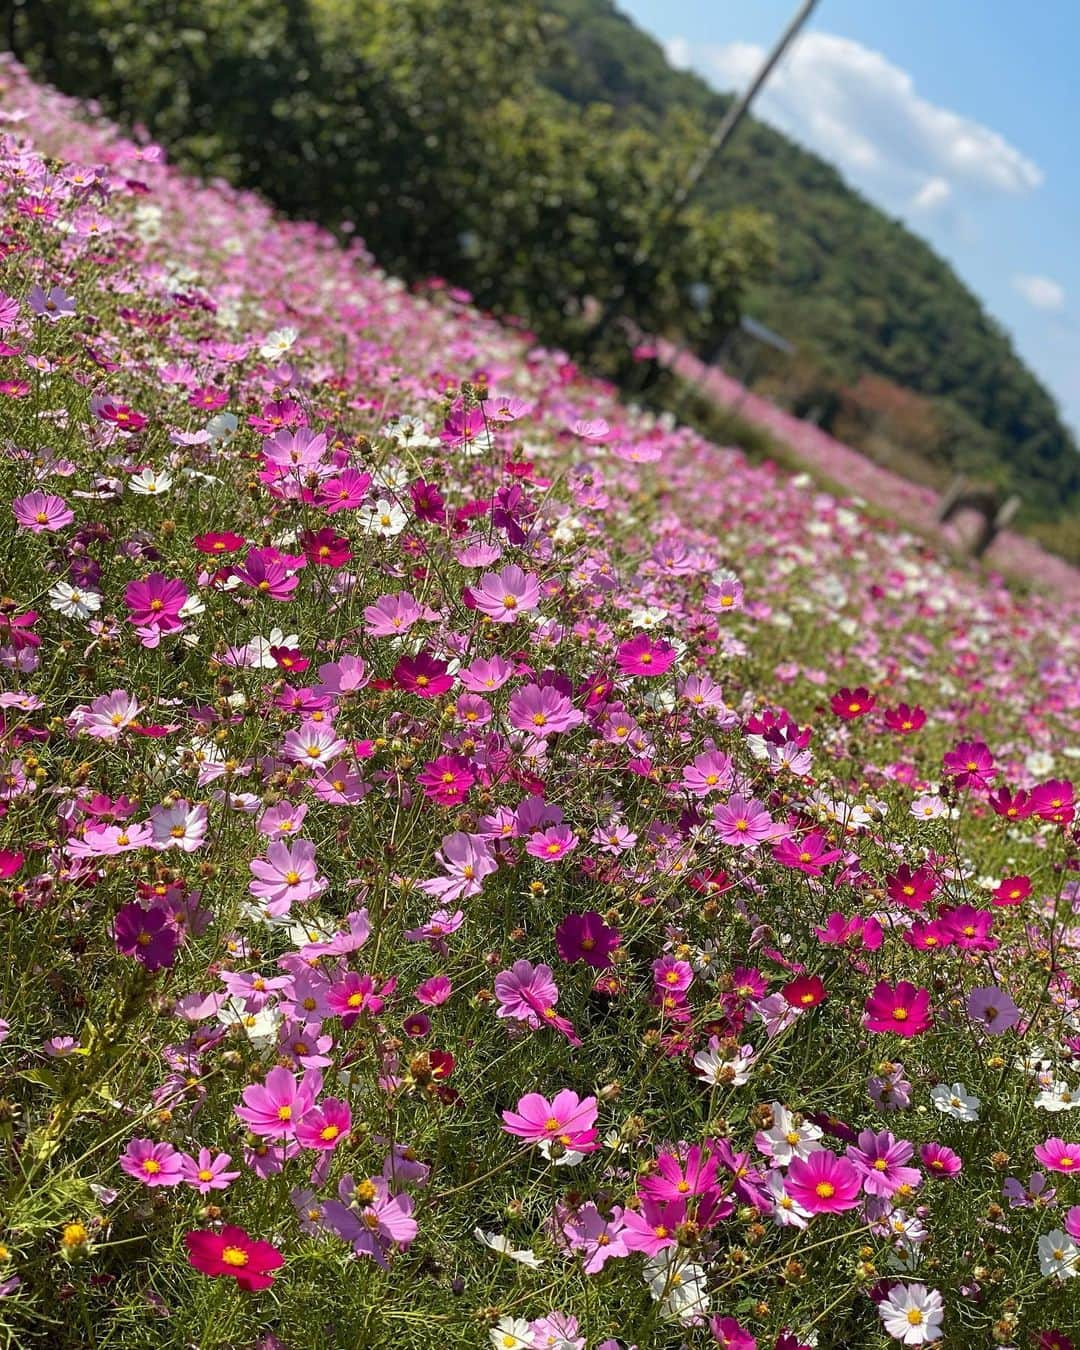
(858, 291)
(530, 151)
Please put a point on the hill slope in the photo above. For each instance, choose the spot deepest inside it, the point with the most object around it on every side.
(854, 285)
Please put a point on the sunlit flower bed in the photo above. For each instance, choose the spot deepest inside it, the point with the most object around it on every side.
(479, 865)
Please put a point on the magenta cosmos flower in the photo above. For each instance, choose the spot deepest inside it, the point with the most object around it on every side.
(422, 675)
(325, 1126)
(1058, 1155)
(502, 596)
(642, 656)
(155, 602)
(823, 1183)
(970, 764)
(903, 1009)
(585, 937)
(42, 511)
(565, 1119)
(147, 935)
(231, 1252)
(274, 1109)
(152, 1163)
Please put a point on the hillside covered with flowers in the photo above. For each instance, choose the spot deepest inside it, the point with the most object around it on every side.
(480, 865)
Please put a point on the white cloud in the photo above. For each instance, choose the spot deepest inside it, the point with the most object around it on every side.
(859, 110)
(678, 52)
(1040, 292)
(932, 194)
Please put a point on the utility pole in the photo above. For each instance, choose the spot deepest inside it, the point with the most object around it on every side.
(720, 137)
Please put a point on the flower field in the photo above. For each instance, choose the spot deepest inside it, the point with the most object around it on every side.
(480, 865)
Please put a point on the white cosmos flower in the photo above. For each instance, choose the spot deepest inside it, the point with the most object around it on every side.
(912, 1314)
(278, 343)
(72, 602)
(222, 428)
(149, 483)
(1058, 1096)
(955, 1102)
(498, 1243)
(678, 1285)
(1058, 1255)
(261, 1028)
(511, 1333)
(382, 517)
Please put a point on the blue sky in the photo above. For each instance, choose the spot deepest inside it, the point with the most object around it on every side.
(959, 116)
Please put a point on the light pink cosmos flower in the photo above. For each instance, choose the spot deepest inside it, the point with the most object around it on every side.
(467, 860)
(315, 744)
(392, 614)
(597, 1238)
(286, 875)
(566, 1119)
(181, 826)
(39, 512)
(543, 711)
(108, 715)
(502, 596)
(485, 674)
(275, 1108)
(711, 771)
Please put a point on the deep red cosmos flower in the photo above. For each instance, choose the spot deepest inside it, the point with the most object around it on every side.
(232, 1252)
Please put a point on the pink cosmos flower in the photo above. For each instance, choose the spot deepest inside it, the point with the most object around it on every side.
(288, 873)
(275, 1108)
(447, 780)
(904, 1009)
(1058, 1155)
(181, 826)
(597, 1238)
(552, 844)
(823, 1183)
(652, 1229)
(325, 1126)
(879, 1159)
(354, 995)
(155, 602)
(642, 656)
(433, 992)
(41, 511)
(502, 596)
(711, 771)
(993, 1009)
(265, 572)
(315, 744)
(467, 860)
(566, 1119)
(810, 854)
(731, 1335)
(939, 1160)
(437, 929)
(154, 1164)
(108, 715)
(528, 994)
(743, 823)
(543, 711)
(485, 675)
(207, 1172)
(392, 614)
